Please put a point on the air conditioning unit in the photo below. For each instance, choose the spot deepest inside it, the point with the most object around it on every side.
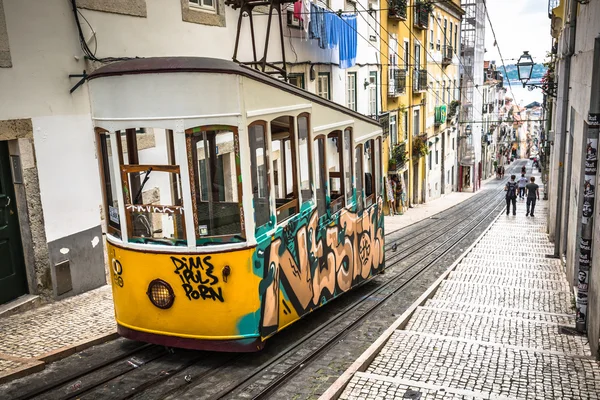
(292, 21)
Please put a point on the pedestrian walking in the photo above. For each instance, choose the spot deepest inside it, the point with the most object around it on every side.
(391, 195)
(511, 195)
(522, 183)
(533, 193)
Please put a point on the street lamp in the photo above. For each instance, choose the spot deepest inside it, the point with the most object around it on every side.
(525, 70)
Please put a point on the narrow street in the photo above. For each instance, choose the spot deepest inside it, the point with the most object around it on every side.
(302, 361)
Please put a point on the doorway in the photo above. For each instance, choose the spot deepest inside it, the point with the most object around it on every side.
(13, 281)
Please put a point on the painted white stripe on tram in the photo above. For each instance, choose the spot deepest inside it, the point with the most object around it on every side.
(334, 126)
(178, 249)
(277, 110)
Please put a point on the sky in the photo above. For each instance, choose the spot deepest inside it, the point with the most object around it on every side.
(519, 25)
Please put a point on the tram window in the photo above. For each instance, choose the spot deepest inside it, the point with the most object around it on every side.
(304, 159)
(111, 204)
(358, 170)
(151, 187)
(369, 166)
(334, 166)
(217, 186)
(320, 177)
(258, 164)
(283, 150)
(377, 168)
(348, 164)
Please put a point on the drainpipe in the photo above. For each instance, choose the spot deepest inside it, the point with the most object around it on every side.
(572, 19)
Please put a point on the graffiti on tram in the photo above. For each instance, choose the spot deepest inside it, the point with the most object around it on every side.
(197, 278)
(313, 263)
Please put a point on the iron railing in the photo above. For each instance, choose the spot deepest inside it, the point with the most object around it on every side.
(447, 55)
(397, 83)
(397, 9)
(421, 18)
(419, 80)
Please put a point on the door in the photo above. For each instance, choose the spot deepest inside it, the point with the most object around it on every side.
(12, 266)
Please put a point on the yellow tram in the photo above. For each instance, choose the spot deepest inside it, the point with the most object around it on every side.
(234, 202)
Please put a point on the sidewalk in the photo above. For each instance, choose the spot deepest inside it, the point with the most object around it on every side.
(423, 211)
(33, 338)
(496, 325)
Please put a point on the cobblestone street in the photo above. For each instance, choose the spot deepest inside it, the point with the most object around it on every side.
(54, 331)
(494, 329)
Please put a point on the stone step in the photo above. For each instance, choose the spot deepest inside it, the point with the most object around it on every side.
(526, 299)
(498, 329)
(510, 280)
(522, 272)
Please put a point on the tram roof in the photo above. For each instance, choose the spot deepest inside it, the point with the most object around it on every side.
(157, 65)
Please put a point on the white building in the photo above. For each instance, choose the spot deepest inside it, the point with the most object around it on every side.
(494, 92)
(48, 150)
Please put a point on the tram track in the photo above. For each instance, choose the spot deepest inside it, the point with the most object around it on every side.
(177, 375)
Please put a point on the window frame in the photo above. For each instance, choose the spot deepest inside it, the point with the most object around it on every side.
(192, 162)
(324, 179)
(297, 75)
(359, 200)
(339, 134)
(268, 167)
(104, 161)
(349, 195)
(200, 6)
(373, 86)
(351, 99)
(310, 167)
(328, 76)
(369, 200)
(295, 202)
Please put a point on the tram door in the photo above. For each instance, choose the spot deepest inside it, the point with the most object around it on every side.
(13, 282)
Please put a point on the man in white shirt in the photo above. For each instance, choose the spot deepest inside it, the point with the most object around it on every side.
(522, 183)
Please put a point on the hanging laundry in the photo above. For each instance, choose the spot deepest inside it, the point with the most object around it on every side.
(313, 30)
(318, 29)
(298, 10)
(348, 41)
(306, 14)
(334, 27)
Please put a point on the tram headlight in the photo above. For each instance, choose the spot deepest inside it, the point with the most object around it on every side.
(161, 294)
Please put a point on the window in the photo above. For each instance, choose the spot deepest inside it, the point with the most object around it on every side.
(208, 5)
(449, 39)
(320, 177)
(431, 34)
(369, 173)
(416, 123)
(372, 21)
(444, 92)
(393, 131)
(304, 158)
(151, 189)
(438, 47)
(405, 135)
(456, 39)
(351, 90)
(429, 159)
(323, 88)
(358, 177)
(335, 164)
(258, 170)
(296, 80)
(452, 143)
(348, 165)
(283, 150)
(417, 56)
(216, 183)
(108, 170)
(437, 155)
(373, 93)
(446, 30)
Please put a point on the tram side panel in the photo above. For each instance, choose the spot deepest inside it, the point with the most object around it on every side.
(307, 263)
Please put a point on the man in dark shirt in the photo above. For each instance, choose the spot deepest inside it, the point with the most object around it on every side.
(511, 195)
(533, 193)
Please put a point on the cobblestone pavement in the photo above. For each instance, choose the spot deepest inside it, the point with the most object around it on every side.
(494, 329)
(29, 338)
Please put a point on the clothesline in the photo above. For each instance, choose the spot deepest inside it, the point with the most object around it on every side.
(329, 29)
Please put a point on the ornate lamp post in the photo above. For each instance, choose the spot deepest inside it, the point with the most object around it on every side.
(525, 70)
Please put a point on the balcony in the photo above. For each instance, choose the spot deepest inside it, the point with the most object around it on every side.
(441, 113)
(397, 82)
(447, 55)
(422, 10)
(419, 80)
(397, 9)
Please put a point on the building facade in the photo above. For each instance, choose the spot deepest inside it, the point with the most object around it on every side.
(573, 139)
(48, 148)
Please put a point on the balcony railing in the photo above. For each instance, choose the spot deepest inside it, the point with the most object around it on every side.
(447, 55)
(397, 82)
(397, 9)
(422, 9)
(419, 80)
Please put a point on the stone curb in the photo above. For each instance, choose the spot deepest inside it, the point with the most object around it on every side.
(33, 365)
(365, 359)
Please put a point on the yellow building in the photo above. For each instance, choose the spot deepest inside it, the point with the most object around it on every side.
(407, 58)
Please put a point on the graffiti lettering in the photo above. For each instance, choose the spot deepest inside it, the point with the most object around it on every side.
(313, 263)
(154, 209)
(197, 278)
